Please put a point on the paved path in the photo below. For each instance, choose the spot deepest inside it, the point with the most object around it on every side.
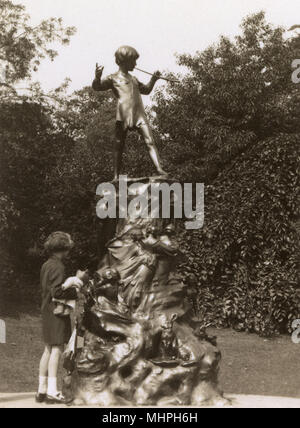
(26, 400)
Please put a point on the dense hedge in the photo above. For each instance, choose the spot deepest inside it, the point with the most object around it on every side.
(245, 257)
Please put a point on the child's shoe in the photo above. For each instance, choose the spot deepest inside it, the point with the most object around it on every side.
(40, 398)
(58, 398)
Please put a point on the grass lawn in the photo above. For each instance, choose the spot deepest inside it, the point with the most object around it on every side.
(250, 364)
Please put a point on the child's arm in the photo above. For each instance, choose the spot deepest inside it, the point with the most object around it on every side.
(147, 89)
(98, 84)
(56, 276)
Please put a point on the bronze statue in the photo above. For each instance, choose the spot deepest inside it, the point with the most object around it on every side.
(142, 343)
(130, 110)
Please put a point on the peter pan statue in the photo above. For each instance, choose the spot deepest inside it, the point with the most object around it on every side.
(130, 110)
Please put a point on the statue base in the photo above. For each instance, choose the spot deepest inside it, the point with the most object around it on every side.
(142, 343)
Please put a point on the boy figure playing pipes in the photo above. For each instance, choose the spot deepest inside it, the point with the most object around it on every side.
(130, 110)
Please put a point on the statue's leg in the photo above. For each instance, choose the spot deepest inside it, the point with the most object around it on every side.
(120, 135)
(145, 131)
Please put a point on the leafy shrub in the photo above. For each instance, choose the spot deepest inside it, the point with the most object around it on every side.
(245, 257)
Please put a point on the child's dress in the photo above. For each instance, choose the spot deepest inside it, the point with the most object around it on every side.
(56, 330)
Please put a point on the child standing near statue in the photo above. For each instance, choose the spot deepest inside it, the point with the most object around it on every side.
(56, 328)
(130, 110)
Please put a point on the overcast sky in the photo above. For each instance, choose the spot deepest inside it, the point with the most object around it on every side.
(156, 28)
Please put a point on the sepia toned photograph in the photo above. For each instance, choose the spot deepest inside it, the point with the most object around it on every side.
(149, 206)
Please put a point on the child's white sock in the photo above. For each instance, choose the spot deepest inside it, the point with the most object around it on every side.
(52, 386)
(43, 384)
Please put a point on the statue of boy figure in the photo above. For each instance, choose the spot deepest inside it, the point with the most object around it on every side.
(130, 110)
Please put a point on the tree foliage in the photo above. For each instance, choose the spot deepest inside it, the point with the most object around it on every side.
(235, 93)
(23, 47)
(29, 141)
(234, 121)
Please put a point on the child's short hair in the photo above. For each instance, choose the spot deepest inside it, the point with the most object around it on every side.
(58, 241)
(125, 53)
